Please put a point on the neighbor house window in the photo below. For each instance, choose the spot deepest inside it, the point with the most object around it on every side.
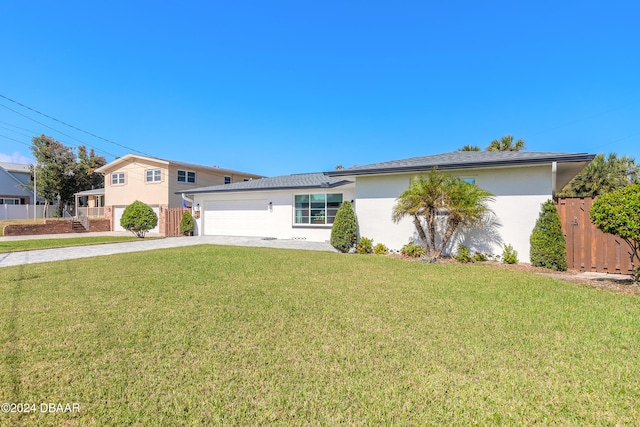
(117, 178)
(9, 201)
(153, 175)
(316, 208)
(227, 180)
(187, 176)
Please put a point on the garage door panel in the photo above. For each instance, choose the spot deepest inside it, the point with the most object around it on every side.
(235, 217)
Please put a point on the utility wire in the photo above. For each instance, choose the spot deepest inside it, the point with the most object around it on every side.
(71, 126)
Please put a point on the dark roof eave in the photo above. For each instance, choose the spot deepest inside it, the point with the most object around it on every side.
(468, 165)
(284, 187)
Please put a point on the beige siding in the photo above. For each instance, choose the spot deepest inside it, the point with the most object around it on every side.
(135, 187)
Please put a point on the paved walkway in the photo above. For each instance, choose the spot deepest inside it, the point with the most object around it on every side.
(74, 252)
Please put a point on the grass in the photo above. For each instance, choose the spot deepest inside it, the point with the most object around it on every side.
(44, 243)
(211, 335)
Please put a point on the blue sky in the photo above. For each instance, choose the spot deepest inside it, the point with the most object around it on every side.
(284, 87)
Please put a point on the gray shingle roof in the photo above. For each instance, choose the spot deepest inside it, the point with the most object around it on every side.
(285, 182)
(463, 160)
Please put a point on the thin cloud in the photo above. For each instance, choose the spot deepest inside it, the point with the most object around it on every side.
(15, 158)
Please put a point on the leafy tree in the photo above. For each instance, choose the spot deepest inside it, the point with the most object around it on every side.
(186, 224)
(506, 144)
(439, 205)
(470, 148)
(86, 175)
(548, 245)
(618, 213)
(344, 231)
(56, 169)
(138, 218)
(602, 176)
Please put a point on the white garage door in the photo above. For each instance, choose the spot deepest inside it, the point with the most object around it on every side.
(117, 214)
(235, 217)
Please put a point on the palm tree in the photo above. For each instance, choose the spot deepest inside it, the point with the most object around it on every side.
(603, 175)
(470, 148)
(439, 205)
(506, 144)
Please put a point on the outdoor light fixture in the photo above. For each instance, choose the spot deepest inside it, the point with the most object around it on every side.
(270, 206)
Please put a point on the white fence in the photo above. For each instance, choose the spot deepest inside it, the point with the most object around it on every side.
(24, 211)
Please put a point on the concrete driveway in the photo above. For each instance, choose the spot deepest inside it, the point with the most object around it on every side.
(74, 252)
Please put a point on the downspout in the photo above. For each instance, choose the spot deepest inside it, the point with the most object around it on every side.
(554, 171)
(186, 199)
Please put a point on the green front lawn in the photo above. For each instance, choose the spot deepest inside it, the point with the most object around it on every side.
(252, 336)
(44, 243)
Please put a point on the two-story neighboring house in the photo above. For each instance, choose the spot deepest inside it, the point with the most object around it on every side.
(14, 181)
(157, 182)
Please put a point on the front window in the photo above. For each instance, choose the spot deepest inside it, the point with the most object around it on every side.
(117, 178)
(153, 175)
(469, 180)
(187, 176)
(316, 208)
(9, 201)
(227, 180)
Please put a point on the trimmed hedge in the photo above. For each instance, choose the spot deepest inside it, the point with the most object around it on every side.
(344, 232)
(548, 245)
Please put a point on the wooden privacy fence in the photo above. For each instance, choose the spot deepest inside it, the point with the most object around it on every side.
(172, 221)
(588, 248)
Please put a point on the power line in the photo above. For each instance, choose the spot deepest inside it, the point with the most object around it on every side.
(71, 126)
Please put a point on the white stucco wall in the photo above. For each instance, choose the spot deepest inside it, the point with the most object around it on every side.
(279, 218)
(519, 192)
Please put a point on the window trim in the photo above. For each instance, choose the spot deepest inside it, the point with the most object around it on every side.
(118, 175)
(153, 176)
(186, 176)
(309, 209)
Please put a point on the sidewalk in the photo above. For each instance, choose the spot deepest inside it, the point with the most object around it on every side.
(75, 252)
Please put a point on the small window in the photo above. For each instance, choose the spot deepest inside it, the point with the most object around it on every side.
(247, 179)
(227, 180)
(9, 201)
(187, 176)
(153, 175)
(117, 178)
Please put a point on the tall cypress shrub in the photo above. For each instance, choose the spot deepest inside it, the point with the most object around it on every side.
(344, 232)
(548, 245)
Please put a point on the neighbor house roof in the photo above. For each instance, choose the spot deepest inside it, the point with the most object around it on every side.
(128, 157)
(464, 160)
(94, 192)
(15, 167)
(285, 182)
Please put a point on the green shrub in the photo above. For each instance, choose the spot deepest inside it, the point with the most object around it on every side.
(344, 231)
(618, 213)
(509, 255)
(479, 257)
(380, 249)
(463, 254)
(365, 246)
(186, 224)
(413, 250)
(548, 246)
(138, 218)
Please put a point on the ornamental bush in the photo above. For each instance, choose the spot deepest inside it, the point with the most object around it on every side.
(548, 245)
(365, 246)
(413, 250)
(344, 231)
(618, 213)
(509, 255)
(380, 249)
(463, 255)
(138, 218)
(186, 224)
